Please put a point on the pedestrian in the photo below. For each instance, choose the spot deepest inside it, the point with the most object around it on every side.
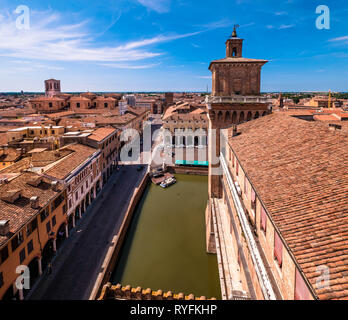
(49, 268)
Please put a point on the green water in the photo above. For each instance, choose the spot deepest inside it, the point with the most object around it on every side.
(165, 244)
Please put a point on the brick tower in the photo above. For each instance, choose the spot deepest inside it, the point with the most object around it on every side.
(235, 99)
(52, 87)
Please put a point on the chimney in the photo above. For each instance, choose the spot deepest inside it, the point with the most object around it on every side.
(334, 127)
(234, 130)
(4, 227)
(54, 185)
(34, 202)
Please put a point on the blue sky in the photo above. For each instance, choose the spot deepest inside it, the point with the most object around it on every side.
(166, 45)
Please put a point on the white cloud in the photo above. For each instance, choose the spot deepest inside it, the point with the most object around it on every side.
(127, 66)
(280, 13)
(47, 40)
(339, 39)
(160, 6)
(281, 27)
(286, 26)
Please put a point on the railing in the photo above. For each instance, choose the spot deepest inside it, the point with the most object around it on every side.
(237, 99)
(266, 285)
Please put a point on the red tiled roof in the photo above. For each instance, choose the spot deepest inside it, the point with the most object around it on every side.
(300, 171)
(101, 133)
(21, 212)
(80, 153)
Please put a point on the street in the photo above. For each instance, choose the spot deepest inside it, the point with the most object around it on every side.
(77, 264)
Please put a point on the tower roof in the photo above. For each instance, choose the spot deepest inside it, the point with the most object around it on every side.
(238, 60)
(234, 33)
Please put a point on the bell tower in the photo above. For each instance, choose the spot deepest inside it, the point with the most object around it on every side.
(235, 99)
(234, 45)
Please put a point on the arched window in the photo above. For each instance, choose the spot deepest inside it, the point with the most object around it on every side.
(241, 117)
(227, 116)
(234, 117)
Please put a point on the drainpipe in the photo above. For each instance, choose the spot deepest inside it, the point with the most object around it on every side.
(266, 285)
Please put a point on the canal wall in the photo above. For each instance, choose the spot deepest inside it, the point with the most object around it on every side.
(117, 292)
(117, 241)
(188, 170)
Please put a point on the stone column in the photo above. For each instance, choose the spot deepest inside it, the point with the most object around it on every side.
(73, 221)
(39, 263)
(66, 231)
(80, 214)
(54, 245)
(20, 292)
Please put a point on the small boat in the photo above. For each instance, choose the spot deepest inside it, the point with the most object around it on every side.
(168, 182)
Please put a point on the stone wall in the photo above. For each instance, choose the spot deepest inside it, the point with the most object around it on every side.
(118, 292)
(188, 170)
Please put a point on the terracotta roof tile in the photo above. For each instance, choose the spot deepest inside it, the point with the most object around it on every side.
(300, 171)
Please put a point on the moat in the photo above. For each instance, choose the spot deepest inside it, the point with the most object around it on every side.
(165, 244)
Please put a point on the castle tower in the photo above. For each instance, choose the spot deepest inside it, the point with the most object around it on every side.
(281, 101)
(52, 87)
(235, 99)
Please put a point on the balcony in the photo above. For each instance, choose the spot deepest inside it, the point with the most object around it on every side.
(237, 99)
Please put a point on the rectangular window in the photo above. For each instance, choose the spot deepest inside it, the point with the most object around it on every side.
(237, 168)
(278, 249)
(263, 219)
(48, 227)
(54, 221)
(44, 214)
(57, 201)
(30, 247)
(22, 255)
(1, 280)
(253, 199)
(3, 255)
(17, 241)
(31, 227)
(301, 290)
(76, 195)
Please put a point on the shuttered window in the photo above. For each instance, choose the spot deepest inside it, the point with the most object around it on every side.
(301, 290)
(253, 199)
(263, 219)
(237, 167)
(253, 195)
(278, 249)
